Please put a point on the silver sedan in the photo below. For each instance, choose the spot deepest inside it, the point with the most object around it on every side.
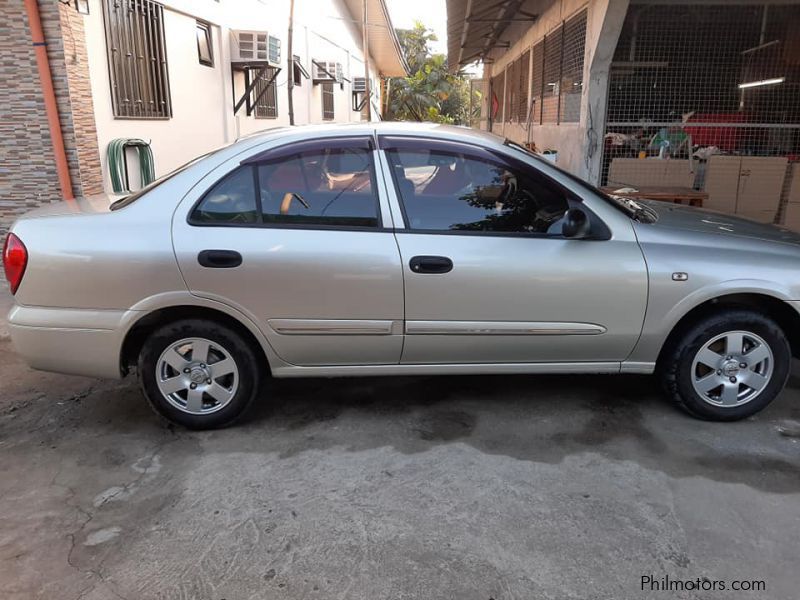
(396, 249)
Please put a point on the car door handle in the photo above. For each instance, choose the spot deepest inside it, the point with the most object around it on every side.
(219, 259)
(431, 264)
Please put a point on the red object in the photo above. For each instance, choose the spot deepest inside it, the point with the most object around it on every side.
(15, 259)
(718, 131)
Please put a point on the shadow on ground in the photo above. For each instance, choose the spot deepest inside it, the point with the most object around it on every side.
(532, 418)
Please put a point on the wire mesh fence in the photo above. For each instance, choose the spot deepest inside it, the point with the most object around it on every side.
(715, 89)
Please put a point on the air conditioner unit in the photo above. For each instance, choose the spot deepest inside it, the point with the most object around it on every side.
(255, 46)
(360, 84)
(326, 70)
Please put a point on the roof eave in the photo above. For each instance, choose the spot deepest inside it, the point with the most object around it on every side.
(384, 46)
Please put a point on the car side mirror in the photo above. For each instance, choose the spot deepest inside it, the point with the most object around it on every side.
(576, 224)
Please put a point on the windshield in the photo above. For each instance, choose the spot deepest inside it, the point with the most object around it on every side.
(131, 198)
(627, 205)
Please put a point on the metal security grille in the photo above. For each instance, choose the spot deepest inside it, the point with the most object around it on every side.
(537, 81)
(556, 75)
(517, 72)
(327, 101)
(137, 59)
(572, 69)
(512, 92)
(523, 72)
(553, 48)
(267, 95)
(497, 101)
(716, 88)
(477, 92)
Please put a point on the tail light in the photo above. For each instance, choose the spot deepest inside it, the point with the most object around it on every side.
(15, 259)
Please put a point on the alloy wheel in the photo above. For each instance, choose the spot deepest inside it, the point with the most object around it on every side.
(197, 376)
(732, 369)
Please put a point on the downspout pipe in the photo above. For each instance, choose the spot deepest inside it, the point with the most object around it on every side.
(49, 95)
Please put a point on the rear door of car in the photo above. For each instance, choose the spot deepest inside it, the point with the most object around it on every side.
(488, 276)
(296, 238)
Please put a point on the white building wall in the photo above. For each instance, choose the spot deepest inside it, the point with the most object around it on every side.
(579, 145)
(202, 97)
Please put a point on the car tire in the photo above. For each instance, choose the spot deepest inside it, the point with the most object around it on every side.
(199, 374)
(748, 380)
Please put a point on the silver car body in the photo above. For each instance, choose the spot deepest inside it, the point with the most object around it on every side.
(343, 302)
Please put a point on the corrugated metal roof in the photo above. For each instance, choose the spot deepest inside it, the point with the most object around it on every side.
(384, 47)
(474, 27)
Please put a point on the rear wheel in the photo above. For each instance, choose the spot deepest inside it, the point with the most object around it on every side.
(198, 373)
(728, 366)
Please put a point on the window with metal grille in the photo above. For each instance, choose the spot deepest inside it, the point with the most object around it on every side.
(553, 46)
(498, 85)
(522, 98)
(537, 81)
(327, 101)
(512, 92)
(572, 68)
(137, 59)
(267, 103)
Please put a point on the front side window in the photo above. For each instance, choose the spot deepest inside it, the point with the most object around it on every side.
(329, 188)
(450, 191)
(137, 57)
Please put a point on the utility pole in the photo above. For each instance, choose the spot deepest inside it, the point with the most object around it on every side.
(290, 62)
(366, 63)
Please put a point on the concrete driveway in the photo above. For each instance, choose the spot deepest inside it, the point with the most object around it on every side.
(454, 487)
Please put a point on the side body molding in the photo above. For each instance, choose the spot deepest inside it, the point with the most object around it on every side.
(501, 328)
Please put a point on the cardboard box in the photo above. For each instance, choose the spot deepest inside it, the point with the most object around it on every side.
(791, 216)
(793, 192)
(650, 172)
(722, 183)
(760, 216)
(761, 183)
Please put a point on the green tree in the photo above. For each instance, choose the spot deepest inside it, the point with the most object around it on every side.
(430, 92)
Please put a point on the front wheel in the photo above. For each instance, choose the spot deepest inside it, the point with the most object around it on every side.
(198, 373)
(728, 366)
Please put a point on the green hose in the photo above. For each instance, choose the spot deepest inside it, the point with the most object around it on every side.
(118, 166)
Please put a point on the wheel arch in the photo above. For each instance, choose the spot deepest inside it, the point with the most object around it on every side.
(781, 312)
(146, 324)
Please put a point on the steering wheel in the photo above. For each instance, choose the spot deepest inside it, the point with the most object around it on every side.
(520, 198)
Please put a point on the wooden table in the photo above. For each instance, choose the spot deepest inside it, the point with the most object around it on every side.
(677, 195)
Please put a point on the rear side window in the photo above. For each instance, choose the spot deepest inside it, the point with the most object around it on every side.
(449, 191)
(329, 188)
(231, 201)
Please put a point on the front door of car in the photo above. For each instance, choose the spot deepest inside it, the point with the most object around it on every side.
(294, 237)
(488, 276)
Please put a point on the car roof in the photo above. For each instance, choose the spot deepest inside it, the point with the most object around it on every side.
(377, 127)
